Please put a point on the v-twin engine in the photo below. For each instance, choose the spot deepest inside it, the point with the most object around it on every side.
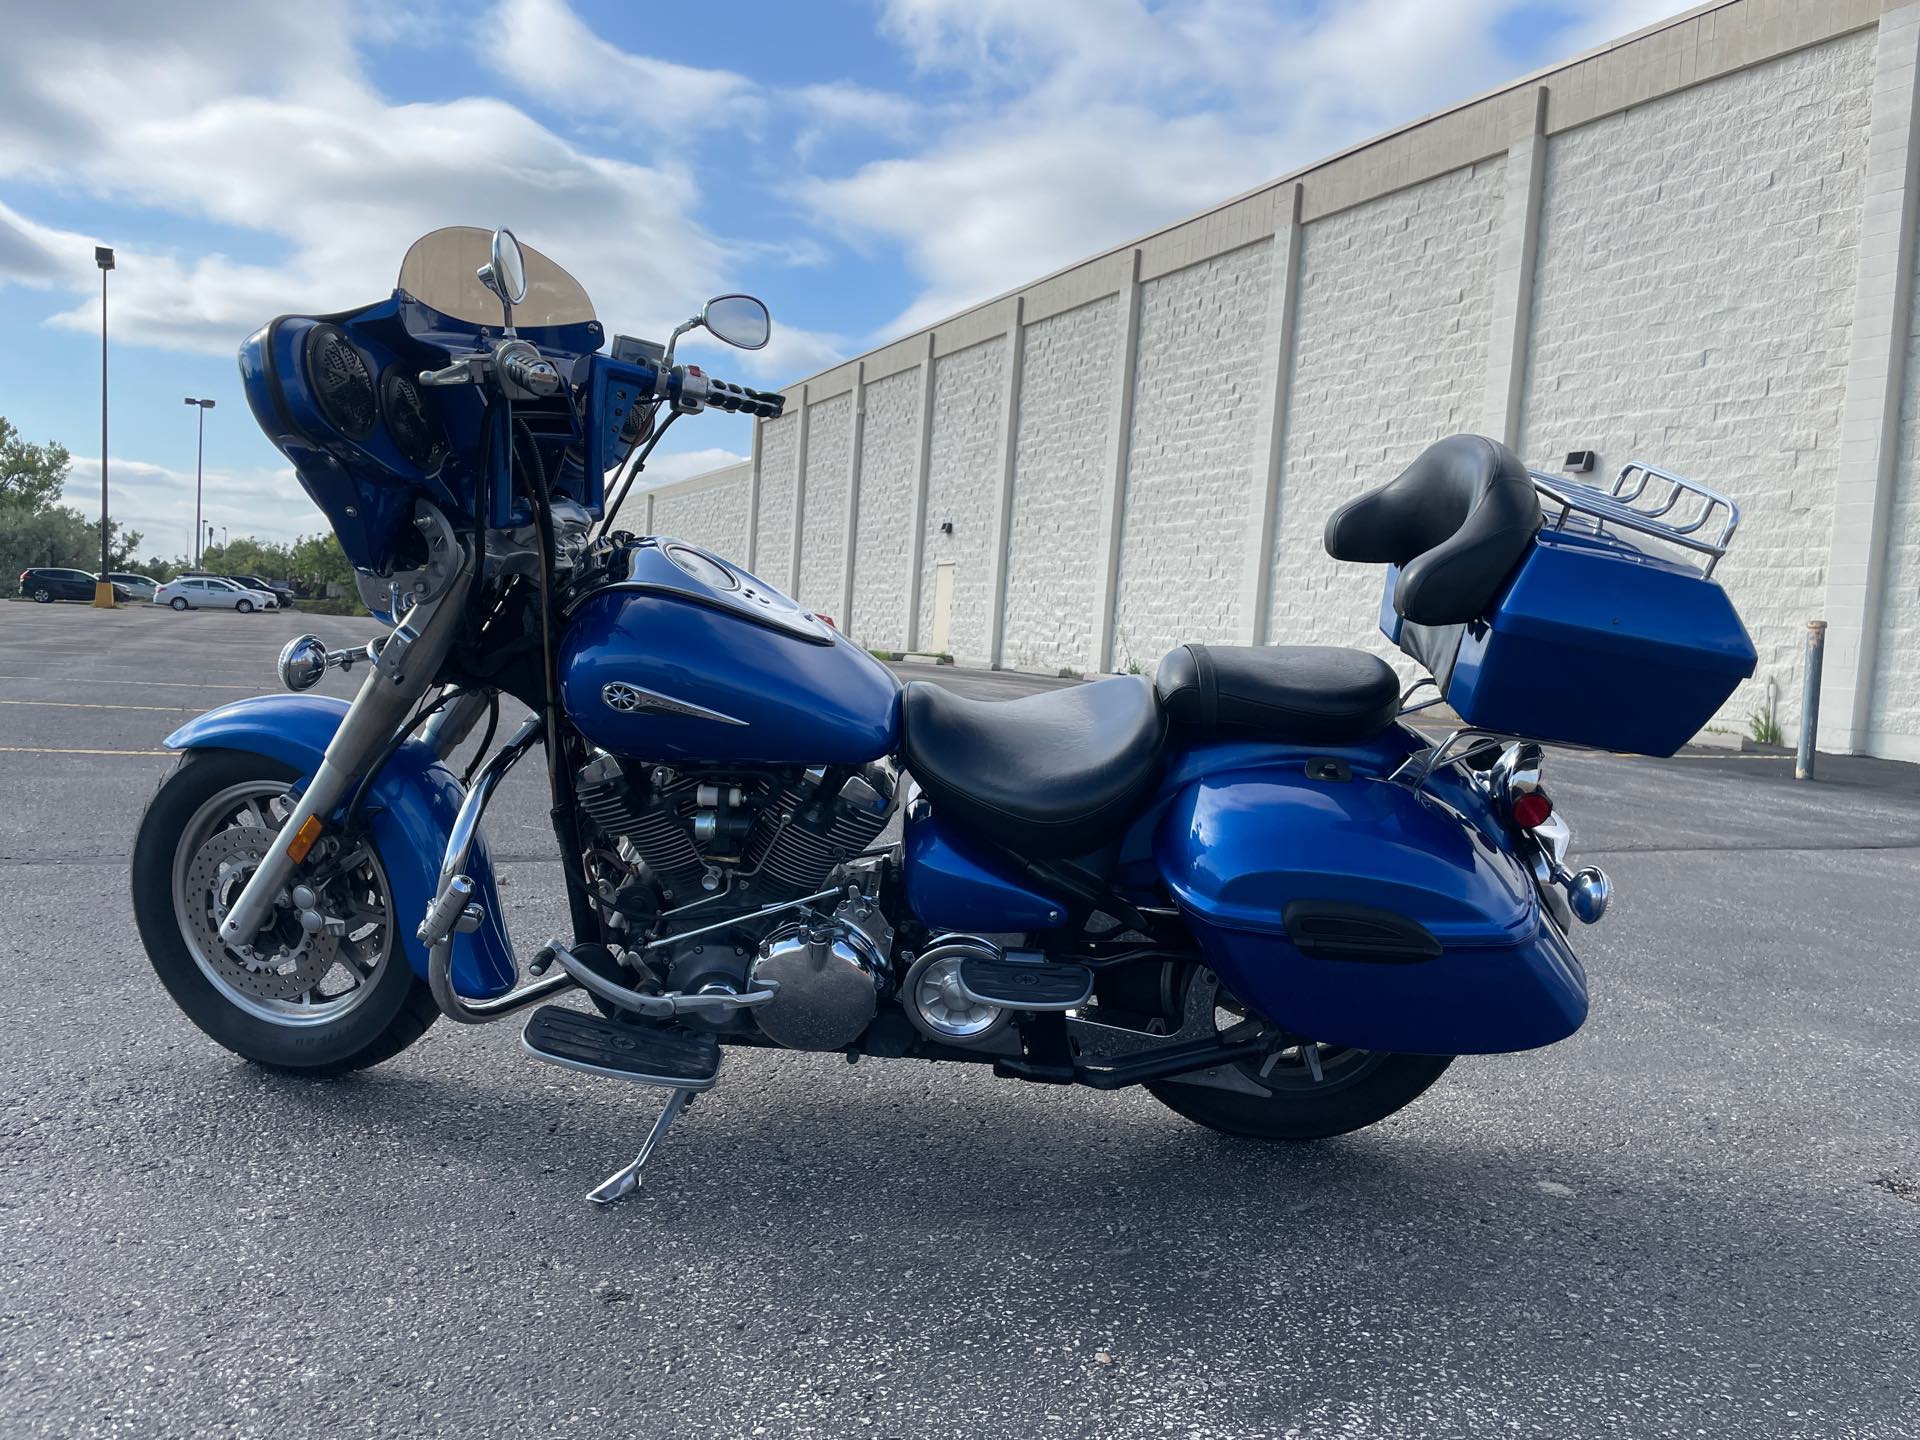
(733, 842)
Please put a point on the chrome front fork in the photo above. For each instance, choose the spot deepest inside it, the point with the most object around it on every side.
(398, 676)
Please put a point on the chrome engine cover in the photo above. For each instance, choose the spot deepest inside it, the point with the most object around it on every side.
(830, 978)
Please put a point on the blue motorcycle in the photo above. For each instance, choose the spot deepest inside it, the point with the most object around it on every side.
(1249, 884)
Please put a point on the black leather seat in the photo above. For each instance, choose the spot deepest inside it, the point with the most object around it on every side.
(1293, 694)
(1047, 775)
(1456, 521)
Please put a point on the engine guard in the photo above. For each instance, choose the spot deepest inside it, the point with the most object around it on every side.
(409, 810)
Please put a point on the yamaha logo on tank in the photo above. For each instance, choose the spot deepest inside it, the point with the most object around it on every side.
(623, 698)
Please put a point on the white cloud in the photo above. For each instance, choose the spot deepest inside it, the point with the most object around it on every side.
(307, 162)
(158, 502)
(546, 50)
(683, 465)
(839, 106)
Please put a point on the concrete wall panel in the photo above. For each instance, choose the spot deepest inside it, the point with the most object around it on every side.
(1190, 461)
(824, 517)
(960, 490)
(1060, 451)
(779, 452)
(888, 457)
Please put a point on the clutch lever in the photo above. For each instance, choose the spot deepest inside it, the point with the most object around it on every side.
(460, 372)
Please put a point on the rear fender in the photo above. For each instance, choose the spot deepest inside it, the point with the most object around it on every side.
(409, 811)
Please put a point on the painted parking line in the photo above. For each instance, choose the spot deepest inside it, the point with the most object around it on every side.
(91, 676)
(57, 750)
(91, 705)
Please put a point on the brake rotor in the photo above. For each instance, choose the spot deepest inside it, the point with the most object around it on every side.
(275, 970)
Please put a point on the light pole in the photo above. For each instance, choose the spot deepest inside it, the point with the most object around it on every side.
(209, 538)
(103, 587)
(223, 541)
(199, 465)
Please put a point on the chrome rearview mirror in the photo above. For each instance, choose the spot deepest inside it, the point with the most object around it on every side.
(740, 320)
(506, 273)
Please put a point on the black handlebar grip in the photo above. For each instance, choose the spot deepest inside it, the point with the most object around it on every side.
(767, 404)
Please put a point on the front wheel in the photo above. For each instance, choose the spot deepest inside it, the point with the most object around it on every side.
(245, 607)
(324, 987)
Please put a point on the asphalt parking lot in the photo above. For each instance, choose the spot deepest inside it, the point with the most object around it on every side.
(1700, 1216)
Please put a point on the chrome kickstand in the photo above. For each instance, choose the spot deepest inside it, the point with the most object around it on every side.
(623, 1183)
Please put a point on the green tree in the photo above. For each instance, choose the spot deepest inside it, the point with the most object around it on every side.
(30, 475)
(58, 535)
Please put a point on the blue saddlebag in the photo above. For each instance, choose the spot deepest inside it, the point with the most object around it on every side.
(1364, 912)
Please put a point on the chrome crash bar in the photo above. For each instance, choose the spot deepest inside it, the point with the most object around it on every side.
(454, 910)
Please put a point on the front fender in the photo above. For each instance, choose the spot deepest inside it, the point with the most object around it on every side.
(409, 811)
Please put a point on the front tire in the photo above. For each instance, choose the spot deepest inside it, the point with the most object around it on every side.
(319, 1005)
(245, 607)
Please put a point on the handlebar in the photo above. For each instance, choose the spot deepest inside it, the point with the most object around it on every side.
(688, 387)
(693, 389)
(529, 369)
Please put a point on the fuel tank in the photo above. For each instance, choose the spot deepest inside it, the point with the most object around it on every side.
(683, 656)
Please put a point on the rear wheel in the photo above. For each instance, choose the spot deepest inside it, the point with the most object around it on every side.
(1297, 1091)
(1315, 1091)
(316, 998)
(42, 595)
(179, 602)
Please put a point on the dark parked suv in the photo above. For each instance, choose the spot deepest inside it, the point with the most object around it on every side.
(51, 583)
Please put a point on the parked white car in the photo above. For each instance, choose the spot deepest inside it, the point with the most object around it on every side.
(201, 592)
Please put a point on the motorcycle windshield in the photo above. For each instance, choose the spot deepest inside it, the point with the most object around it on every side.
(439, 271)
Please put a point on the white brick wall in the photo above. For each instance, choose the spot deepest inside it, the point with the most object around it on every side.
(1069, 374)
(1693, 307)
(1190, 458)
(961, 481)
(713, 515)
(889, 457)
(779, 451)
(824, 510)
(1390, 347)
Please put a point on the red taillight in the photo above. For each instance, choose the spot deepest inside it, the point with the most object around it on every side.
(1531, 809)
(818, 615)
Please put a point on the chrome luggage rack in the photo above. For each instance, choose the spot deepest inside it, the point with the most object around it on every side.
(1681, 512)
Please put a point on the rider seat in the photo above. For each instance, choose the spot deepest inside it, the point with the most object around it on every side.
(1289, 694)
(1047, 775)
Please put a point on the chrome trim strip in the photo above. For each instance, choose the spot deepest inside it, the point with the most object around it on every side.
(654, 702)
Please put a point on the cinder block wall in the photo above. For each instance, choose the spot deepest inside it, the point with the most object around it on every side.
(1695, 246)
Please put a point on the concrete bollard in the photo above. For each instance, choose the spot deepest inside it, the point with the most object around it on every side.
(1810, 699)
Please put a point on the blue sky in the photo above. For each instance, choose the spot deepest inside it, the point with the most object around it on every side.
(864, 166)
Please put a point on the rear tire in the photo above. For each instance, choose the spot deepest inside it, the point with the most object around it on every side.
(43, 596)
(1375, 1086)
(386, 1011)
(178, 602)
